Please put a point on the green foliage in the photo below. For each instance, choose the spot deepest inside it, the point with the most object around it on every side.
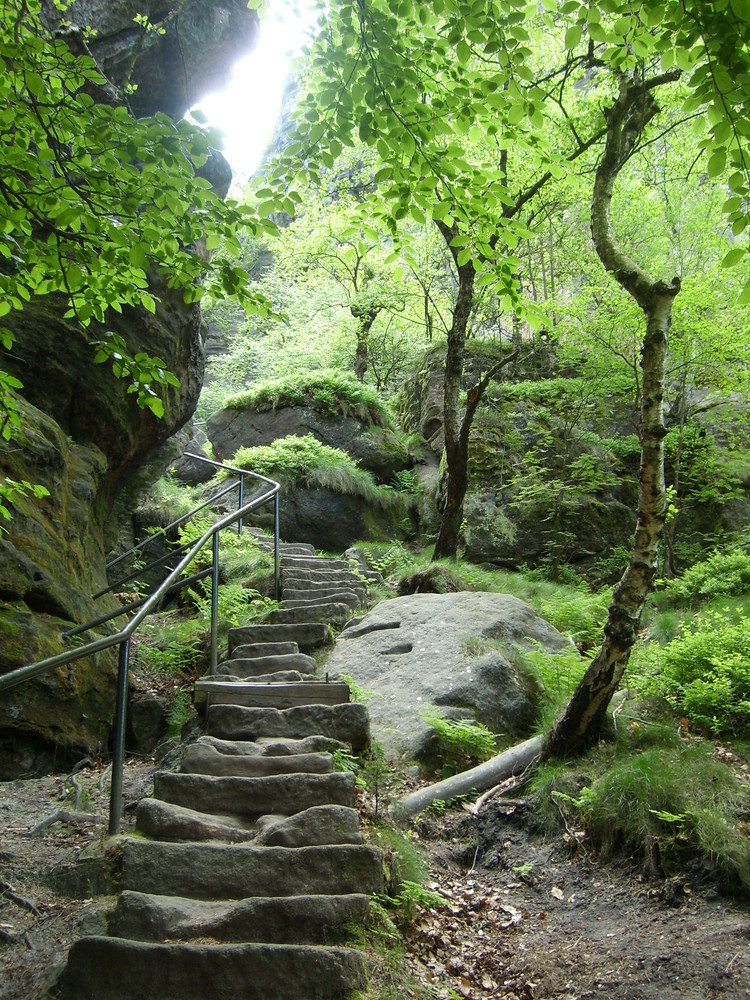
(557, 674)
(580, 614)
(170, 643)
(179, 712)
(704, 673)
(237, 605)
(460, 741)
(305, 461)
(10, 490)
(329, 392)
(722, 573)
(407, 481)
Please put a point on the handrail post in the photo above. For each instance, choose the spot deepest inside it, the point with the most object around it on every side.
(118, 749)
(276, 580)
(241, 501)
(215, 604)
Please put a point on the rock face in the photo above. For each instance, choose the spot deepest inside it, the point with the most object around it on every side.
(376, 449)
(172, 71)
(542, 488)
(413, 653)
(83, 436)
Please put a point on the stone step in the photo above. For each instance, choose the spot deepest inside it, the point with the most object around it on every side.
(315, 613)
(166, 821)
(347, 597)
(308, 635)
(312, 827)
(270, 695)
(278, 677)
(275, 920)
(316, 592)
(253, 797)
(320, 578)
(314, 562)
(252, 650)
(272, 746)
(200, 758)
(251, 666)
(348, 723)
(121, 969)
(235, 871)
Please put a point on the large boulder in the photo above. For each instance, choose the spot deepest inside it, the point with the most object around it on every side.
(82, 435)
(427, 650)
(332, 521)
(375, 448)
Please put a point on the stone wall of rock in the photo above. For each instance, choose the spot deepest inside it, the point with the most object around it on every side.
(83, 436)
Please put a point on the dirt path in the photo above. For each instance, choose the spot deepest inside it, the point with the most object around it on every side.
(526, 920)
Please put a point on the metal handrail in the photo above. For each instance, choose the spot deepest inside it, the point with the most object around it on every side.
(150, 604)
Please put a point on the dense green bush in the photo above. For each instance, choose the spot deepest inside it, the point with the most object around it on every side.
(722, 573)
(704, 673)
(305, 461)
(330, 392)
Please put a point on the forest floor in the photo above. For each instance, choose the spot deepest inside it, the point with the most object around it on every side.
(527, 917)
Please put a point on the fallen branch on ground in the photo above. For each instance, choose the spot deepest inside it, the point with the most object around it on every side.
(510, 763)
(64, 816)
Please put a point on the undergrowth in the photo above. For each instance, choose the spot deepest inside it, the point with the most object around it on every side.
(656, 796)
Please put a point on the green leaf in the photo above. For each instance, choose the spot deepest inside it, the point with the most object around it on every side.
(734, 256)
(573, 36)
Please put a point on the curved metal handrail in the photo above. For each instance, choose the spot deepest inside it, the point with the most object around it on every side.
(122, 638)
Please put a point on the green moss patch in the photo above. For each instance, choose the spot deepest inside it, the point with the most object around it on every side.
(328, 392)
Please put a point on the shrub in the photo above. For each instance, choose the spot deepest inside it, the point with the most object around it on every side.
(580, 615)
(722, 573)
(305, 461)
(461, 742)
(329, 392)
(704, 673)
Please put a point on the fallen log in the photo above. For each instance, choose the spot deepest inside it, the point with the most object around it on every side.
(509, 763)
(512, 761)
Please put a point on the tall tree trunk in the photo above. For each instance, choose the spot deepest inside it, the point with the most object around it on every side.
(365, 320)
(456, 455)
(585, 714)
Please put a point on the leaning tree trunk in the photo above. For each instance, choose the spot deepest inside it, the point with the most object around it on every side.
(585, 714)
(365, 318)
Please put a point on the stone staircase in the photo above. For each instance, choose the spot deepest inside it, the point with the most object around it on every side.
(250, 871)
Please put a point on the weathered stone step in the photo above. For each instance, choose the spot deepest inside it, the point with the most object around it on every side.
(312, 827)
(315, 592)
(253, 797)
(273, 746)
(270, 695)
(255, 649)
(200, 758)
(313, 562)
(310, 613)
(166, 821)
(250, 666)
(319, 574)
(120, 969)
(348, 723)
(278, 677)
(347, 597)
(274, 920)
(235, 871)
(308, 635)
